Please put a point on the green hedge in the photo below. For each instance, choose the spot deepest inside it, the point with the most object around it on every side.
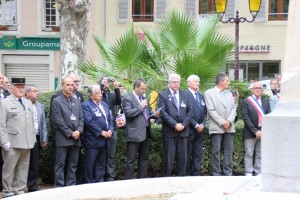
(156, 151)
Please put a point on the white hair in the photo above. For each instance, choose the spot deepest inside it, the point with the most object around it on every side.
(193, 77)
(173, 76)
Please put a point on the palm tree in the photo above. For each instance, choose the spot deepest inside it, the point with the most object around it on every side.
(179, 44)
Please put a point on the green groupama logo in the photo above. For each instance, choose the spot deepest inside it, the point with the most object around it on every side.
(9, 42)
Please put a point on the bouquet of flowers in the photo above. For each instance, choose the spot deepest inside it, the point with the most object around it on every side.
(121, 121)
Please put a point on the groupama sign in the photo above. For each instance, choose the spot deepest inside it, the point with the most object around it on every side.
(29, 43)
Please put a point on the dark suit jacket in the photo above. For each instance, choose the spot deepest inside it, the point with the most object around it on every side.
(136, 128)
(112, 100)
(58, 93)
(94, 125)
(171, 116)
(62, 125)
(199, 111)
(250, 117)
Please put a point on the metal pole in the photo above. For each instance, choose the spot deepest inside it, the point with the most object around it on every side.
(237, 50)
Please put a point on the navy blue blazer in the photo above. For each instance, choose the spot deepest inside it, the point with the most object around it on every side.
(170, 115)
(199, 110)
(94, 124)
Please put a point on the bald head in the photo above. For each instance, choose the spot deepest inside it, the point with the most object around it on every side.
(75, 79)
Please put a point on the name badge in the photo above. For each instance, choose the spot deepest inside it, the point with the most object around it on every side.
(36, 124)
(202, 103)
(98, 114)
(182, 105)
(73, 117)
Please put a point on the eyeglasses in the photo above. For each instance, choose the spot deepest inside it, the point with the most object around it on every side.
(174, 82)
(257, 88)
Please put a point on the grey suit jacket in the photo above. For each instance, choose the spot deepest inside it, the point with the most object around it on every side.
(219, 110)
(61, 120)
(17, 124)
(42, 128)
(136, 128)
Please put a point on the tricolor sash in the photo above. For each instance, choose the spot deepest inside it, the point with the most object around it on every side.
(259, 109)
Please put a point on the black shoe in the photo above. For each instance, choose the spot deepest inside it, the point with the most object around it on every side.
(33, 189)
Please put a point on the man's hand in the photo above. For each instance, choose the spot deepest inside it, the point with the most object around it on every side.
(226, 124)
(258, 135)
(75, 135)
(179, 127)
(156, 113)
(199, 128)
(116, 84)
(109, 134)
(44, 144)
(106, 134)
(144, 103)
(6, 146)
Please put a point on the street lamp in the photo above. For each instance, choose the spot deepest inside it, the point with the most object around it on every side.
(254, 6)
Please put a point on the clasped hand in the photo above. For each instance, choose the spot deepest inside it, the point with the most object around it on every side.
(179, 127)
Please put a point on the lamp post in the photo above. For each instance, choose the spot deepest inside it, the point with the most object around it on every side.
(254, 6)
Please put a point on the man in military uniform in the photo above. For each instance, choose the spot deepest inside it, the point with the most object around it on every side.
(16, 138)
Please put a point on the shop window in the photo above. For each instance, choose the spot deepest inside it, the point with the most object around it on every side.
(142, 10)
(8, 15)
(269, 70)
(278, 10)
(51, 17)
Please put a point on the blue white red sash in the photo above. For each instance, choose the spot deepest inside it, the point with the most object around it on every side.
(259, 109)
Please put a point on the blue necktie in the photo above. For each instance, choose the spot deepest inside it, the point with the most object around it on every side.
(197, 98)
(175, 100)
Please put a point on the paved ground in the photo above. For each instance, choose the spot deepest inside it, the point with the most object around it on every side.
(41, 186)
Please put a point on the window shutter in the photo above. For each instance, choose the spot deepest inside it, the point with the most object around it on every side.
(191, 8)
(123, 11)
(160, 10)
(230, 9)
(261, 16)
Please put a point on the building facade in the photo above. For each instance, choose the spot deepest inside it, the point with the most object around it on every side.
(29, 34)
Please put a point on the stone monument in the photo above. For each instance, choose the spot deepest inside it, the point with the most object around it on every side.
(281, 128)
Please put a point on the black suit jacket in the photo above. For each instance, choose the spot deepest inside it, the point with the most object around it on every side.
(199, 111)
(62, 125)
(171, 116)
(112, 100)
(250, 117)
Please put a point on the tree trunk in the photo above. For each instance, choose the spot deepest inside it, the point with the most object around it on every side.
(74, 27)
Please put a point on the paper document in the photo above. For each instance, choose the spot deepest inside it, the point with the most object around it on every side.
(158, 110)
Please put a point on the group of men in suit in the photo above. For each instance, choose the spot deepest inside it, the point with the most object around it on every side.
(183, 115)
(21, 144)
(90, 123)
